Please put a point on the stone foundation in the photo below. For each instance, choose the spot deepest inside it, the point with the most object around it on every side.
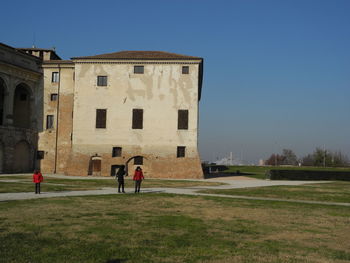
(153, 167)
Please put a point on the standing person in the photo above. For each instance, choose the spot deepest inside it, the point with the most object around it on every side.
(138, 176)
(120, 178)
(37, 179)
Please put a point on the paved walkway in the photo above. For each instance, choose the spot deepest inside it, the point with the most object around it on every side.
(231, 183)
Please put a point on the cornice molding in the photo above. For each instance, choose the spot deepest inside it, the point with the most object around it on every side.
(138, 62)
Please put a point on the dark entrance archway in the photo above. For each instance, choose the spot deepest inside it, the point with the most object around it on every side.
(136, 157)
(2, 100)
(22, 106)
(22, 162)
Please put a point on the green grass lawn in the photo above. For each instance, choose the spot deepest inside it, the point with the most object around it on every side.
(332, 192)
(259, 172)
(57, 184)
(171, 228)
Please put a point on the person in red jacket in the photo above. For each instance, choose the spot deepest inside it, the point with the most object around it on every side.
(138, 177)
(37, 179)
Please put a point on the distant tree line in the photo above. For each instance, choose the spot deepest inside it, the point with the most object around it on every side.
(319, 157)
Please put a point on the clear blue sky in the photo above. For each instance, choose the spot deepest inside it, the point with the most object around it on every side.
(277, 73)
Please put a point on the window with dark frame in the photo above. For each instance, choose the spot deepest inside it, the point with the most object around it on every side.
(101, 117)
(182, 121)
(117, 151)
(101, 80)
(138, 69)
(138, 160)
(49, 121)
(40, 155)
(53, 96)
(181, 150)
(185, 70)
(137, 118)
(55, 77)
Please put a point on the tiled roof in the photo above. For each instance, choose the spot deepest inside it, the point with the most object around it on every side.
(17, 50)
(36, 49)
(140, 55)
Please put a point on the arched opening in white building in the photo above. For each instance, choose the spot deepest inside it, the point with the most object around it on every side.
(22, 162)
(22, 107)
(133, 162)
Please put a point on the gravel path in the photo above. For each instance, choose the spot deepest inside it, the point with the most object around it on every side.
(231, 183)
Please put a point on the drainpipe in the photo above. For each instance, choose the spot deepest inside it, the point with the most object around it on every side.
(57, 115)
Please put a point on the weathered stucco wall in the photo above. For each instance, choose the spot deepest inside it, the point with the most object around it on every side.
(161, 91)
(57, 152)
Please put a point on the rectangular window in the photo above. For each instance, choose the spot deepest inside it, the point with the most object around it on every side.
(53, 96)
(181, 151)
(40, 155)
(182, 120)
(117, 151)
(55, 77)
(137, 119)
(185, 70)
(101, 117)
(101, 80)
(49, 122)
(138, 69)
(138, 160)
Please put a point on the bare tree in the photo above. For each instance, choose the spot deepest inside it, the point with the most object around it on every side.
(290, 157)
(275, 159)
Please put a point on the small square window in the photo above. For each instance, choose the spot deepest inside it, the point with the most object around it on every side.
(185, 70)
(181, 151)
(49, 121)
(55, 77)
(101, 80)
(117, 152)
(138, 160)
(138, 69)
(40, 155)
(53, 96)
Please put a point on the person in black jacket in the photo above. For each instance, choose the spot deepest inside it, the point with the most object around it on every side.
(120, 178)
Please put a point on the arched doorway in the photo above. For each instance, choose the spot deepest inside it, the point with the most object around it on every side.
(138, 161)
(21, 106)
(95, 166)
(1, 157)
(22, 162)
(2, 100)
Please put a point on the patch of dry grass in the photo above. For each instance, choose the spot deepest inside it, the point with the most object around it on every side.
(51, 184)
(172, 228)
(332, 192)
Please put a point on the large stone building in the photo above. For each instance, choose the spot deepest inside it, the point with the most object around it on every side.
(129, 107)
(21, 110)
